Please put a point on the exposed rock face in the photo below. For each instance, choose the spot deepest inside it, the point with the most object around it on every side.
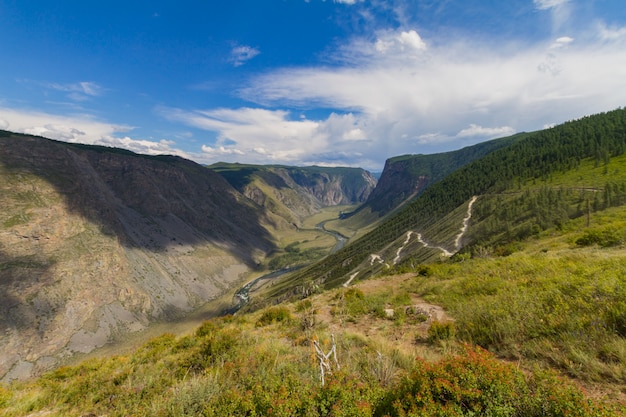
(405, 177)
(296, 192)
(97, 242)
(398, 183)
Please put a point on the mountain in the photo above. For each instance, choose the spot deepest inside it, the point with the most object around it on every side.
(507, 195)
(405, 177)
(97, 242)
(499, 290)
(410, 344)
(297, 192)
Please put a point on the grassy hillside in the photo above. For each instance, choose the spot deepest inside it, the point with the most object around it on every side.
(512, 182)
(406, 177)
(527, 317)
(551, 315)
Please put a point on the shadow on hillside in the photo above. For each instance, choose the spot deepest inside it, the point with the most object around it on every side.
(17, 278)
(146, 202)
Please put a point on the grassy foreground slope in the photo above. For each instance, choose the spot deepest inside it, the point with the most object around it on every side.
(540, 331)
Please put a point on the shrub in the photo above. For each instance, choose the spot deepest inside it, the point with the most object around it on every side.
(424, 271)
(440, 331)
(605, 238)
(205, 329)
(475, 383)
(273, 315)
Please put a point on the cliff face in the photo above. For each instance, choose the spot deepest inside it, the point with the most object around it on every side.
(296, 192)
(398, 183)
(96, 243)
(405, 177)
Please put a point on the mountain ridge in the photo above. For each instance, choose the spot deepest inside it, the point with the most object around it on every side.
(97, 242)
(406, 176)
(297, 192)
(534, 158)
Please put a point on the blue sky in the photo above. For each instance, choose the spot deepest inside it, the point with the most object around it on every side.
(303, 82)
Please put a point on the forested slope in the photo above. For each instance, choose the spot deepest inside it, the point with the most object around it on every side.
(536, 158)
(406, 176)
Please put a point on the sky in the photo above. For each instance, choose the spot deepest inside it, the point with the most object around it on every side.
(305, 82)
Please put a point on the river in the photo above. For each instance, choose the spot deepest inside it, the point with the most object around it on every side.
(242, 296)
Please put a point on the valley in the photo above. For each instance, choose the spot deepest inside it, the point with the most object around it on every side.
(497, 289)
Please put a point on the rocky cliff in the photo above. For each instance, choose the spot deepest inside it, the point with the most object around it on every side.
(405, 177)
(98, 242)
(296, 192)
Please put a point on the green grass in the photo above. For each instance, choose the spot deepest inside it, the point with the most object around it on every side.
(232, 367)
(551, 307)
(551, 302)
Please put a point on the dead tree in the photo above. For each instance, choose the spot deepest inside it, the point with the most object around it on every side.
(324, 358)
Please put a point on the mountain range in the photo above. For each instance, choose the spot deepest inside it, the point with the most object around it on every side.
(97, 243)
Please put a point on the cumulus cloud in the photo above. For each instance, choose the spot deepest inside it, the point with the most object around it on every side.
(142, 146)
(221, 151)
(254, 133)
(397, 92)
(458, 89)
(406, 42)
(241, 54)
(82, 129)
(485, 132)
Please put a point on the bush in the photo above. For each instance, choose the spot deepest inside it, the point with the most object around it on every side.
(440, 331)
(475, 383)
(273, 315)
(424, 271)
(605, 238)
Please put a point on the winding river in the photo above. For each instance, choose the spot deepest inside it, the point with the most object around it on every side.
(242, 296)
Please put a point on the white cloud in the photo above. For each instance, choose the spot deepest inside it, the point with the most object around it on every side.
(142, 146)
(272, 136)
(241, 54)
(485, 132)
(4, 124)
(221, 150)
(242, 131)
(392, 104)
(79, 91)
(561, 42)
(411, 40)
(549, 4)
(611, 34)
(82, 129)
(406, 42)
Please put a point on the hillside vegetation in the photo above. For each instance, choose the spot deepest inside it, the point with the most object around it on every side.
(406, 176)
(511, 202)
(554, 310)
(501, 292)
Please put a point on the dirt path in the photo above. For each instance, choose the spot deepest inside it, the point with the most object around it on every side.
(420, 239)
(468, 216)
(376, 329)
